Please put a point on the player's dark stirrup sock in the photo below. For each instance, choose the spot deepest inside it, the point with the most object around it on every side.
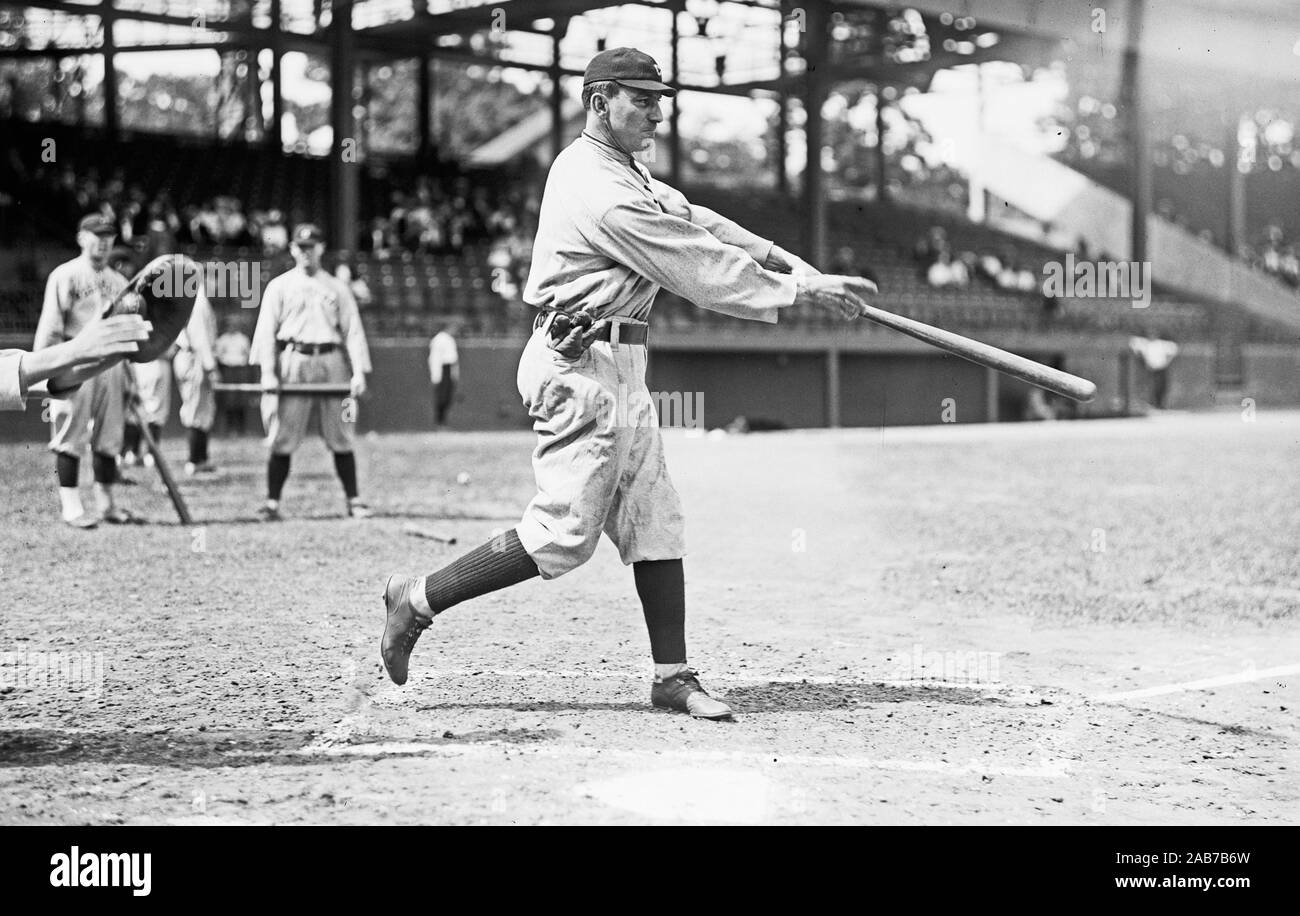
(131, 439)
(105, 467)
(67, 467)
(345, 465)
(499, 563)
(155, 430)
(277, 472)
(661, 586)
(198, 446)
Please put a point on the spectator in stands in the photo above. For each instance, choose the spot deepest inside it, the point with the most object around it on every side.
(930, 246)
(230, 218)
(947, 272)
(989, 266)
(161, 228)
(359, 288)
(205, 226)
(1290, 266)
(274, 234)
(381, 238)
(847, 263)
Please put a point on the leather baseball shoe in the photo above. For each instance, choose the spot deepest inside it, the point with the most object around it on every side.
(119, 516)
(267, 513)
(84, 521)
(358, 509)
(401, 629)
(683, 693)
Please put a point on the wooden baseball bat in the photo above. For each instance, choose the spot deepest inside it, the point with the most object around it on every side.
(322, 388)
(1054, 380)
(428, 534)
(164, 471)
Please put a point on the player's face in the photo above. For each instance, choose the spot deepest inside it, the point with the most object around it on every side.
(307, 256)
(96, 247)
(633, 117)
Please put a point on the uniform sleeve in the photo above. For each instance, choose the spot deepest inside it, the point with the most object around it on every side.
(199, 334)
(49, 328)
(11, 382)
(717, 225)
(264, 352)
(354, 333)
(686, 259)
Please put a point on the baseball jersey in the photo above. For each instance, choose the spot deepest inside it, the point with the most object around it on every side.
(75, 294)
(442, 353)
(200, 333)
(609, 237)
(11, 382)
(232, 349)
(315, 309)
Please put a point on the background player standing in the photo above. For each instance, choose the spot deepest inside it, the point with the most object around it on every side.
(307, 321)
(444, 372)
(76, 293)
(196, 373)
(609, 237)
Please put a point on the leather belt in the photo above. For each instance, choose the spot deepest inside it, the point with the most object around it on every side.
(617, 331)
(622, 332)
(309, 349)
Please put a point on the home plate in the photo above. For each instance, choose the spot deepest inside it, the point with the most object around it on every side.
(690, 794)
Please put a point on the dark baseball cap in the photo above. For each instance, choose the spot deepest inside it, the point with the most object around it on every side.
(308, 234)
(98, 224)
(627, 67)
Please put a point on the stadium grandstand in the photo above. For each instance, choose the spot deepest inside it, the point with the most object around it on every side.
(956, 152)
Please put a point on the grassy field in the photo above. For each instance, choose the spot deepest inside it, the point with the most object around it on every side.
(937, 625)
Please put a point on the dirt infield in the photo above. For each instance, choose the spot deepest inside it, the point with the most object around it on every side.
(937, 625)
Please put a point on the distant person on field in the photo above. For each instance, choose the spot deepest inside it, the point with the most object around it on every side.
(444, 372)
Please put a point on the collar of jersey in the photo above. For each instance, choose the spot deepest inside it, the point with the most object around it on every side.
(615, 152)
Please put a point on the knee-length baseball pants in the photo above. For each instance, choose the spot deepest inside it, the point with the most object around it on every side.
(599, 460)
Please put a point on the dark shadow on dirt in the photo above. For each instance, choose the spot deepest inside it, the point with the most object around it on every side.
(803, 697)
(33, 747)
(541, 706)
(763, 698)
(37, 747)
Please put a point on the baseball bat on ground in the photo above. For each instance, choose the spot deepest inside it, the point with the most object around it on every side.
(322, 388)
(428, 534)
(164, 471)
(1035, 373)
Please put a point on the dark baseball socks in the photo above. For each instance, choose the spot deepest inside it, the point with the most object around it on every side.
(345, 465)
(661, 586)
(277, 472)
(198, 441)
(68, 468)
(498, 564)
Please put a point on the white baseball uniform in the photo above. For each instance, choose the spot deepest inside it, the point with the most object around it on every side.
(11, 380)
(75, 294)
(194, 364)
(304, 326)
(609, 237)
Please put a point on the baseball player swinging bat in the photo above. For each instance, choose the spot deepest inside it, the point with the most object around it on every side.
(1054, 380)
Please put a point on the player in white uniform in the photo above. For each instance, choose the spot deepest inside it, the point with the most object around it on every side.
(77, 292)
(196, 373)
(307, 323)
(609, 237)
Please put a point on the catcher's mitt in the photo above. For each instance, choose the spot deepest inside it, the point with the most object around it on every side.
(163, 293)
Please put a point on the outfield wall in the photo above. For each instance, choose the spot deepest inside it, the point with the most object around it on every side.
(793, 382)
